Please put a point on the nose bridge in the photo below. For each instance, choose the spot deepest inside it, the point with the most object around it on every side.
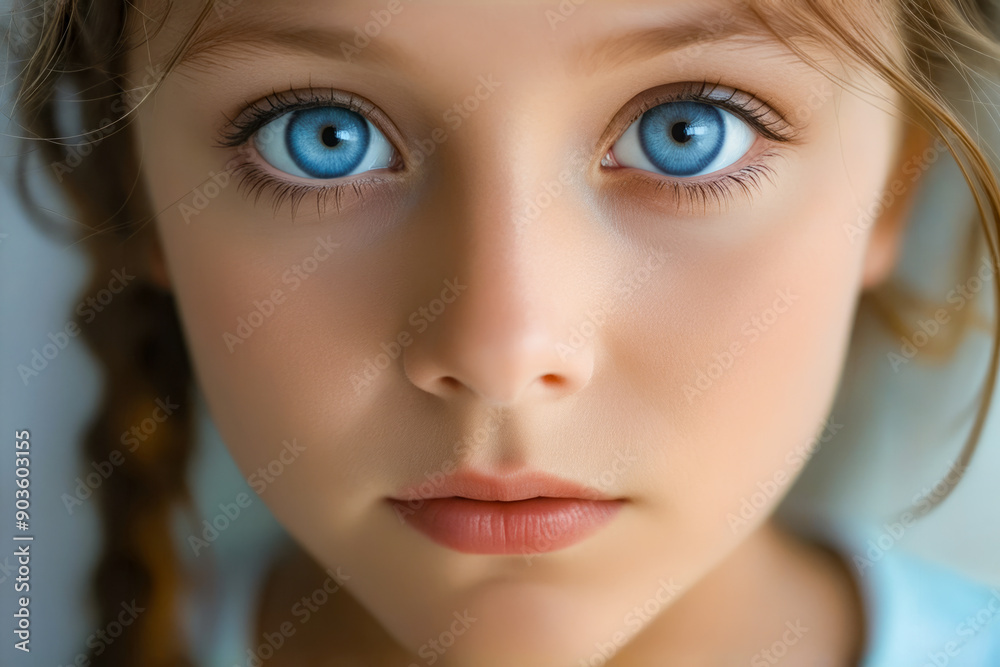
(500, 339)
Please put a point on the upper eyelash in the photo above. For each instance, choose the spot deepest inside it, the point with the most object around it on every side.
(749, 107)
(256, 115)
(721, 190)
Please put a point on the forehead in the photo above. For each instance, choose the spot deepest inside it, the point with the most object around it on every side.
(582, 36)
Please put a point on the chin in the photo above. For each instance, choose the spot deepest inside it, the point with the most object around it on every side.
(507, 624)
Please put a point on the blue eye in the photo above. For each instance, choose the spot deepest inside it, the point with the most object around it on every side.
(323, 142)
(684, 139)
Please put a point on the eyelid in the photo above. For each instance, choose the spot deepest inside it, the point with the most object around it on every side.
(258, 179)
(758, 114)
(255, 115)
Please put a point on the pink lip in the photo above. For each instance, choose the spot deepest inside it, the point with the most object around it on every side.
(527, 513)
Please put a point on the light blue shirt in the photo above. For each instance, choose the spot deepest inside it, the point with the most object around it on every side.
(919, 613)
(924, 614)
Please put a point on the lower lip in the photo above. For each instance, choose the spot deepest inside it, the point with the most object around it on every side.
(533, 526)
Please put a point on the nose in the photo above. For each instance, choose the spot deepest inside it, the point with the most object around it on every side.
(505, 338)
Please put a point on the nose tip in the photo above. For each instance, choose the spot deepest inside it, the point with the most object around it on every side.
(502, 368)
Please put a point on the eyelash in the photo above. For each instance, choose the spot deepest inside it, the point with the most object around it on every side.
(254, 181)
(719, 191)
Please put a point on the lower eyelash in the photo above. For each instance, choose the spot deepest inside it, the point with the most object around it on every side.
(254, 182)
(722, 191)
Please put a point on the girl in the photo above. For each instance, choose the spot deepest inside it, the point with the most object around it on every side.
(520, 317)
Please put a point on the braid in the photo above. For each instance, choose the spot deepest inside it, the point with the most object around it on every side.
(140, 344)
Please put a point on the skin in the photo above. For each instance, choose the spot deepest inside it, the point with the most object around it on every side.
(491, 359)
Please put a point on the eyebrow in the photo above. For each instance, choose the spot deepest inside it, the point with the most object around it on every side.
(330, 43)
(708, 27)
(335, 43)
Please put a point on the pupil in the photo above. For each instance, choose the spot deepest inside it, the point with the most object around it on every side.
(679, 132)
(329, 136)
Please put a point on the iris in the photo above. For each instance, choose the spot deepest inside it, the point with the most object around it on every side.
(327, 142)
(682, 138)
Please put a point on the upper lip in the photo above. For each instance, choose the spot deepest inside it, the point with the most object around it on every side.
(476, 485)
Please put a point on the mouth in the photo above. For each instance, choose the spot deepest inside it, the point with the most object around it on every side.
(529, 513)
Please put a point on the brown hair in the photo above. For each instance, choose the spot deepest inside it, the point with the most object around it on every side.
(942, 39)
(139, 342)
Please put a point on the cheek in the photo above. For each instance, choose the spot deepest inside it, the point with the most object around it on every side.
(277, 318)
(280, 331)
(742, 336)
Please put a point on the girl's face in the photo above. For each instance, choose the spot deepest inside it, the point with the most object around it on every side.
(438, 249)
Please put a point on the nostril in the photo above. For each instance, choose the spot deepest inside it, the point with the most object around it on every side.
(553, 380)
(450, 382)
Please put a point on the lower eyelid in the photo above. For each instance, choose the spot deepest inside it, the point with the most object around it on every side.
(256, 181)
(688, 195)
(262, 171)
